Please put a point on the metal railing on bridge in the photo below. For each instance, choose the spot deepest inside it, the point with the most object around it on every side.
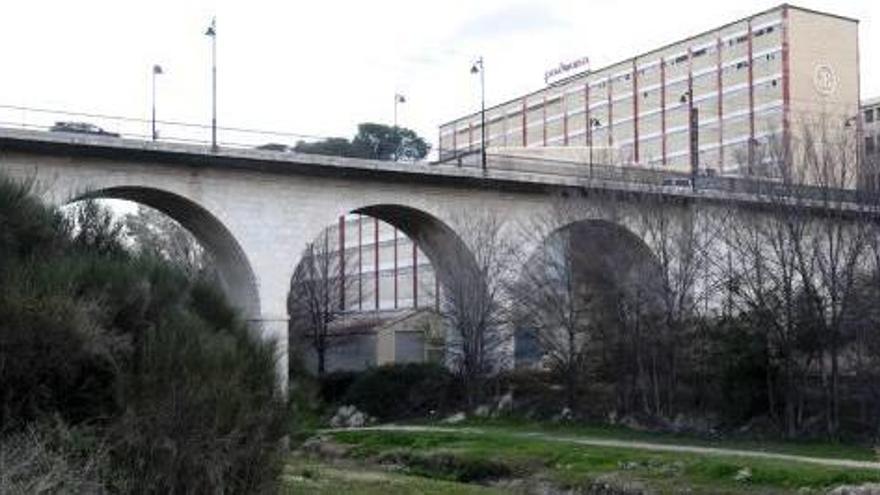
(41, 119)
(663, 180)
(169, 131)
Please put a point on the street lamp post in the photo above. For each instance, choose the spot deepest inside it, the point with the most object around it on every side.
(157, 69)
(398, 98)
(693, 135)
(594, 124)
(856, 121)
(478, 67)
(212, 33)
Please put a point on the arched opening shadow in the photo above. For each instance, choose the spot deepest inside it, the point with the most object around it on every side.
(592, 266)
(443, 247)
(339, 316)
(234, 269)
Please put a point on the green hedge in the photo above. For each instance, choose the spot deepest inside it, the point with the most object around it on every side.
(403, 391)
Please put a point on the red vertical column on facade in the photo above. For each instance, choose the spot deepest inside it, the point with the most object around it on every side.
(751, 147)
(544, 121)
(525, 128)
(360, 262)
(663, 109)
(342, 262)
(415, 274)
(564, 117)
(610, 115)
(455, 138)
(395, 267)
(376, 259)
(635, 112)
(786, 81)
(691, 104)
(720, 83)
(470, 136)
(588, 128)
(436, 291)
(506, 125)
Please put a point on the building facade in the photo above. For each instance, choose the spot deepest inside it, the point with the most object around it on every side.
(388, 296)
(871, 138)
(736, 87)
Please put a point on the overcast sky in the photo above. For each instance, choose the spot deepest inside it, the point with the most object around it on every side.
(320, 67)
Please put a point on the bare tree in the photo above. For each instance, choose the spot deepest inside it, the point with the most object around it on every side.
(320, 290)
(475, 301)
(838, 234)
(798, 263)
(552, 298)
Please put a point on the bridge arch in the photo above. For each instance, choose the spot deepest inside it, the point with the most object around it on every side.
(597, 259)
(234, 269)
(432, 238)
(608, 245)
(441, 244)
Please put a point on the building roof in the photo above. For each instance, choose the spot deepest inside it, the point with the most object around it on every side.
(660, 49)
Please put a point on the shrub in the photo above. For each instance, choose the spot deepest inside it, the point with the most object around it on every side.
(402, 391)
(181, 393)
(536, 393)
(50, 458)
(335, 385)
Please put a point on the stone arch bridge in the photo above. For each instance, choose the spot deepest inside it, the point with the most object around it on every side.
(255, 210)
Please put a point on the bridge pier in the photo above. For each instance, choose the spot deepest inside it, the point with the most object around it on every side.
(274, 328)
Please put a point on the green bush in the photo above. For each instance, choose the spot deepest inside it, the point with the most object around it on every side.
(536, 393)
(181, 393)
(335, 385)
(402, 391)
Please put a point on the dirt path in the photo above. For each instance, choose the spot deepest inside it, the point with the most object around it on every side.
(630, 444)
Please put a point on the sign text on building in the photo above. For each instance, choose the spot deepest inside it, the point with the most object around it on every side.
(565, 69)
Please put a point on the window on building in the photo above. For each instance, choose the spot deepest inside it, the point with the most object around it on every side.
(699, 53)
(741, 65)
(869, 115)
(680, 59)
(870, 147)
(742, 39)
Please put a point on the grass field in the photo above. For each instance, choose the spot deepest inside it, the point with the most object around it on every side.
(804, 448)
(466, 457)
(304, 476)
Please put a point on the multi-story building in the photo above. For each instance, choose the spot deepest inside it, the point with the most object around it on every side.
(871, 135)
(737, 86)
(388, 295)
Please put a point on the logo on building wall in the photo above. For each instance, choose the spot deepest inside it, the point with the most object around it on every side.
(824, 79)
(566, 69)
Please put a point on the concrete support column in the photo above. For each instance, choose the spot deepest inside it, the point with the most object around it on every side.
(275, 328)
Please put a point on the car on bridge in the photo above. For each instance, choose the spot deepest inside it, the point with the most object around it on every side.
(678, 183)
(274, 147)
(81, 128)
